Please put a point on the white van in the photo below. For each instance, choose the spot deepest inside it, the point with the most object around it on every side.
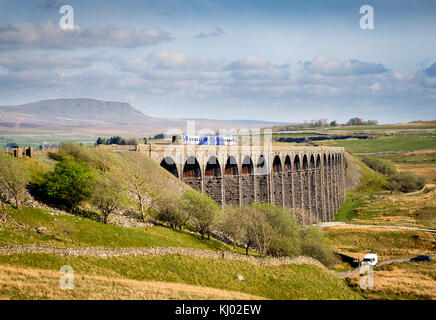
(370, 259)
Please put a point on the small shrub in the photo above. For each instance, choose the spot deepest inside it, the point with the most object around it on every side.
(285, 240)
(170, 210)
(398, 181)
(383, 166)
(68, 185)
(406, 182)
(203, 211)
(315, 245)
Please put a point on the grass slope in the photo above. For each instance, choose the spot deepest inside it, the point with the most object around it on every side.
(277, 282)
(25, 283)
(68, 230)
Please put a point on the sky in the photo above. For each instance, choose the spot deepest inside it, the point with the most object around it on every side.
(276, 60)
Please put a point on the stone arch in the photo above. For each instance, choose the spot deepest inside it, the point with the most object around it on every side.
(213, 168)
(231, 182)
(305, 162)
(262, 183)
(297, 187)
(247, 181)
(261, 167)
(312, 162)
(288, 164)
(277, 180)
(169, 164)
(297, 163)
(192, 174)
(288, 197)
(326, 190)
(247, 166)
(213, 181)
(231, 168)
(334, 177)
(191, 169)
(306, 185)
(318, 188)
(313, 205)
(277, 165)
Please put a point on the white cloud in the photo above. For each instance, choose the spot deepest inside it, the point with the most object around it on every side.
(49, 35)
(193, 78)
(327, 66)
(24, 60)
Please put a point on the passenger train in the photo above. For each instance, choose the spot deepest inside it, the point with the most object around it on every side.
(205, 140)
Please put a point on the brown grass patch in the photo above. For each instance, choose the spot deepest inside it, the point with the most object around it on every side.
(402, 281)
(416, 124)
(426, 170)
(23, 283)
(387, 243)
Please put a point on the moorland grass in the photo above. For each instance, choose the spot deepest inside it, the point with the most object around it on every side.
(274, 282)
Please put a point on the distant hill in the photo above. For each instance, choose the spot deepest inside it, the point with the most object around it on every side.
(96, 115)
(73, 112)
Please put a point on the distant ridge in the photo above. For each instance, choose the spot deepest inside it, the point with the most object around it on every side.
(93, 115)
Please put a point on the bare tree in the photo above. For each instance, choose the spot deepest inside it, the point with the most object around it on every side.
(13, 179)
(144, 182)
(203, 210)
(233, 224)
(108, 197)
(259, 231)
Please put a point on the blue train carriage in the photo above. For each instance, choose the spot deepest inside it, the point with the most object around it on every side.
(205, 140)
(190, 139)
(229, 140)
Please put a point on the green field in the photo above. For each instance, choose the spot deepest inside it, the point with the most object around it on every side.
(39, 138)
(401, 142)
(412, 157)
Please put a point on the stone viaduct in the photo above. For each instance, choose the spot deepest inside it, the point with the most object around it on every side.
(308, 178)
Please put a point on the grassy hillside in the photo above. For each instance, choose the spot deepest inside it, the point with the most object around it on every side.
(372, 203)
(32, 283)
(72, 231)
(279, 282)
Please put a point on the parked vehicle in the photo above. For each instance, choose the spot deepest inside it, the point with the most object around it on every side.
(370, 259)
(422, 257)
